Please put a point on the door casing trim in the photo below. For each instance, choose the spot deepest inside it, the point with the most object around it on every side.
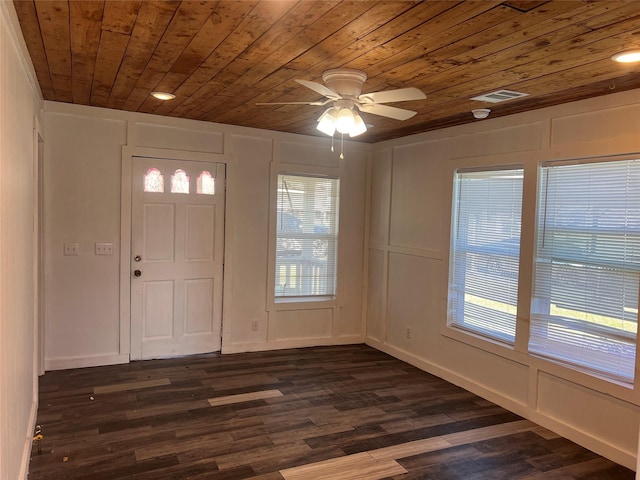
(128, 154)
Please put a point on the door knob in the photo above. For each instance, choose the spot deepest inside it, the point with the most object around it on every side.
(137, 273)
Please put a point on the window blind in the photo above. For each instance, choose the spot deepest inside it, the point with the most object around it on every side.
(483, 286)
(585, 301)
(306, 236)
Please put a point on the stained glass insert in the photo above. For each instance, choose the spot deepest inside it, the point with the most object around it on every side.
(180, 182)
(206, 184)
(154, 181)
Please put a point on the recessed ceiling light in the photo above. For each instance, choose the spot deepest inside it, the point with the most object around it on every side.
(163, 95)
(629, 56)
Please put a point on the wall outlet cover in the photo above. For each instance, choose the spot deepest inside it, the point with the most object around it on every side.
(104, 248)
(71, 248)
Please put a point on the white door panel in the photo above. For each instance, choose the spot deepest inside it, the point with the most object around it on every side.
(200, 230)
(157, 309)
(158, 232)
(198, 305)
(177, 247)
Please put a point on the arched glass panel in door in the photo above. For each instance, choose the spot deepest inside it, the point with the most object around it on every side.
(154, 181)
(206, 184)
(180, 182)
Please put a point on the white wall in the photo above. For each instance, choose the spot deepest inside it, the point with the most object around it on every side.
(21, 104)
(411, 184)
(88, 324)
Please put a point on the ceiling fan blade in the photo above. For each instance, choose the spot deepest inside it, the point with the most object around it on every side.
(387, 96)
(319, 103)
(387, 111)
(321, 89)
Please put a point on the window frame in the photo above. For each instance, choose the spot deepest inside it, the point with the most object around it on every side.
(566, 364)
(453, 327)
(332, 276)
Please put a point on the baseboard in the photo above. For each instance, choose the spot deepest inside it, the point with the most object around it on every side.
(242, 347)
(28, 442)
(570, 432)
(66, 363)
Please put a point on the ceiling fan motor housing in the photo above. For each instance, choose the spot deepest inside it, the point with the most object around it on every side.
(345, 81)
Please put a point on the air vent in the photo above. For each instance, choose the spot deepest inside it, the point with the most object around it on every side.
(499, 96)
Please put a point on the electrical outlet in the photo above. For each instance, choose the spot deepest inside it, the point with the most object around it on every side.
(408, 333)
(254, 326)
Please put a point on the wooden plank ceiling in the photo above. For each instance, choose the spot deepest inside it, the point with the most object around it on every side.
(221, 57)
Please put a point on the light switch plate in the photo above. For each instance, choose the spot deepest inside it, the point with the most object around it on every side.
(104, 248)
(71, 248)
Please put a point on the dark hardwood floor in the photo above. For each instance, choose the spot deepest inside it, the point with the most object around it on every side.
(334, 413)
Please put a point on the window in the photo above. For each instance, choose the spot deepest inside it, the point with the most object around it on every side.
(154, 181)
(306, 236)
(483, 285)
(584, 308)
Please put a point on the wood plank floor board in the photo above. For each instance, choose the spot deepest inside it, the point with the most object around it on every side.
(165, 408)
(340, 413)
(427, 432)
(348, 440)
(170, 446)
(137, 385)
(279, 463)
(285, 436)
(163, 396)
(352, 467)
(289, 427)
(232, 425)
(362, 417)
(110, 470)
(247, 389)
(244, 397)
(266, 453)
(240, 381)
(167, 420)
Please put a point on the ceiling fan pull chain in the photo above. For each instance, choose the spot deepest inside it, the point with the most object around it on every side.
(332, 150)
(342, 147)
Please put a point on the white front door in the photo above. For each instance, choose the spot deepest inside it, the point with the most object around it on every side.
(177, 230)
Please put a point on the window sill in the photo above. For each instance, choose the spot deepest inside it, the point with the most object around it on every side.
(496, 347)
(304, 303)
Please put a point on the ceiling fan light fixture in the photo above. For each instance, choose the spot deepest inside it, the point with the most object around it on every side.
(163, 95)
(345, 120)
(326, 122)
(358, 127)
(343, 90)
(629, 56)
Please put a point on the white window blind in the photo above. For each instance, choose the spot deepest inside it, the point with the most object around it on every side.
(585, 302)
(306, 236)
(483, 286)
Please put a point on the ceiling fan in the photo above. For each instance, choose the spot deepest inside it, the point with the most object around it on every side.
(343, 91)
